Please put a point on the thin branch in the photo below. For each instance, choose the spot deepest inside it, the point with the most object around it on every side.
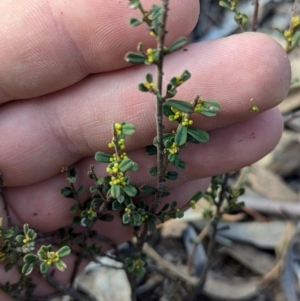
(70, 291)
(214, 224)
(255, 15)
(159, 111)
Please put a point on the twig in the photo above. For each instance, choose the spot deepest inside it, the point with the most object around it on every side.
(159, 112)
(291, 27)
(214, 224)
(20, 297)
(72, 292)
(167, 267)
(255, 14)
(106, 200)
(5, 204)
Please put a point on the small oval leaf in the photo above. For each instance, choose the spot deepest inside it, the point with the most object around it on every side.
(135, 58)
(179, 43)
(128, 128)
(181, 135)
(172, 175)
(130, 190)
(115, 191)
(103, 157)
(64, 251)
(199, 135)
(135, 22)
(107, 217)
(147, 189)
(180, 105)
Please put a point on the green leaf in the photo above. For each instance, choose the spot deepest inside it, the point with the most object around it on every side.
(93, 189)
(296, 37)
(116, 205)
(134, 4)
(76, 221)
(32, 234)
(185, 75)
(199, 135)
(149, 78)
(179, 214)
(172, 175)
(180, 105)
(60, 265)
(151, 150)
(167, 110)
(100, 181)
(20, 239)
(107, 217)
(30, 258)
(27, 269)
(72, 180)
(115, 191)
(142, 204)
(67, 192)
(135, 22)
(64, 251)
(80, 190)
(125, 165)
(44, 267)
(130, 190)
(181, 135)
(103, 157)
(128, 128)
(168, 143)
(153, 171)
(147, 189)
(241, 191)
(165, 207)
(121, 198)
(142, 87)
(179, 43)
(208, 113)
(9, 233)
(151, 226)
(180, 165)
(225, 5)
(196, 196)
(126, 219)
(96, 202)
(136, 220)
(135, 58)
(72, 172)
(173, 204)
(211, 105)
(173, 157)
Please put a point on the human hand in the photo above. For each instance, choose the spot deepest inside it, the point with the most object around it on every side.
(64, 82)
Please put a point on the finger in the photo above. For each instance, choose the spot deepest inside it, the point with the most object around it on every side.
(230, 148)
(69, 125)
(49, 45)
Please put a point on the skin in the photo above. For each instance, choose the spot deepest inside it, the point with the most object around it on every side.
(64, 81)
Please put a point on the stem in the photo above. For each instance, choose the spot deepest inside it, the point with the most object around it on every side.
(106, 200)
(255, 14)
(214, 224)
(159, 111)
(72, 292)
(291, 28)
